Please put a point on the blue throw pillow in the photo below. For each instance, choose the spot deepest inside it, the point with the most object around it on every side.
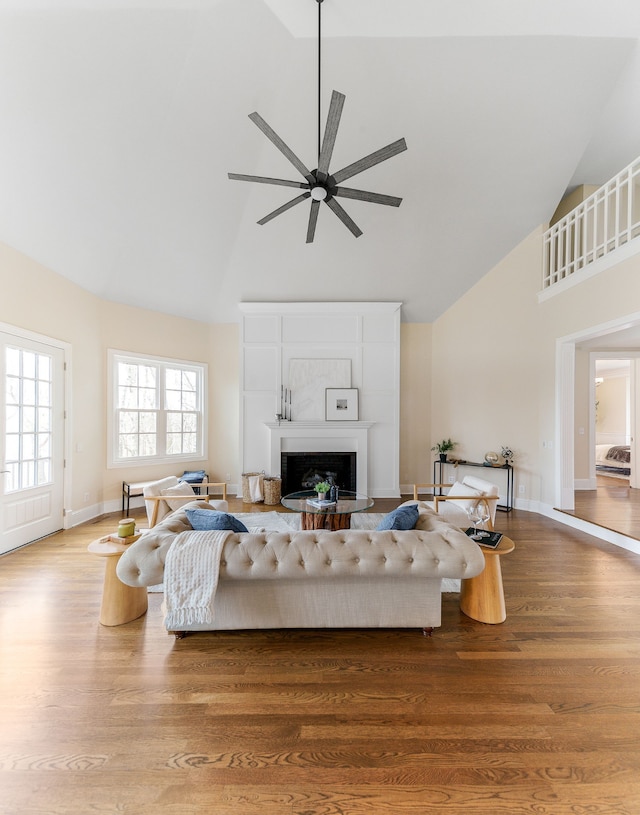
(204, 519)
(400, 518)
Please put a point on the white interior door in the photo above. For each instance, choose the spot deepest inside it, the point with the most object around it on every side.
(31, 440)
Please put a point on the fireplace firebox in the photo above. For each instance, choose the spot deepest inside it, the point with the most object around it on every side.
(302, 471)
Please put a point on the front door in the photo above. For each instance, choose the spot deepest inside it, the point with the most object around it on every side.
(31, 440)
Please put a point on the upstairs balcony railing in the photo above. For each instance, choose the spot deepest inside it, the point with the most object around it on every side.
(606, 220)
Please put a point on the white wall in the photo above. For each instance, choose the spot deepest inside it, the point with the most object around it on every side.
(493, 368)
(367, 335)
(612, 415)
(36, 299)
(494, 361)
(484, 373)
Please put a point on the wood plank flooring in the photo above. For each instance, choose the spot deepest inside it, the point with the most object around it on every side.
(537, 716)
(613, 505)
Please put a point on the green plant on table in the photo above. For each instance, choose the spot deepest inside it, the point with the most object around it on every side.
(444, 446)
(323, 486)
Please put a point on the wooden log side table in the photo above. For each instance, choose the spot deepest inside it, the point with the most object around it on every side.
(332, 518)
(120, 603)
(482, 596)
(325, 520)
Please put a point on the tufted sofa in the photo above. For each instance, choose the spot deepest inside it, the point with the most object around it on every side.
(321, 579)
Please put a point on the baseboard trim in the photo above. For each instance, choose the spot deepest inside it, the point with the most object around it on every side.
(585, 484)
(596, 531)
(75, 517)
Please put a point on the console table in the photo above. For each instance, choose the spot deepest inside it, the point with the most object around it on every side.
(503, 468)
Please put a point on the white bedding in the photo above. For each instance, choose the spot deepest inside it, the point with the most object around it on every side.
(602, 461)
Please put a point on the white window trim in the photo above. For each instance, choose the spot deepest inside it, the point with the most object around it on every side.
(113, 461)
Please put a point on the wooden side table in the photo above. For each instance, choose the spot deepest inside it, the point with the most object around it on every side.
(120, 603)
(331, 521)
(482, 596)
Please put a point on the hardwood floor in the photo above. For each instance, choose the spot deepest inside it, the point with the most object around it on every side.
(612, 505)
(538, 715)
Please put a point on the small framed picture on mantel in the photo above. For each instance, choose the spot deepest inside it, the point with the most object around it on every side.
(341, 404)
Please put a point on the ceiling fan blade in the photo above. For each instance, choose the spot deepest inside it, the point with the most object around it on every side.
(370, 161)
(260, 179)
(313, 220)
(330, 133)
(372, 197)
(282, 147)
(346, 220)
(297, 200)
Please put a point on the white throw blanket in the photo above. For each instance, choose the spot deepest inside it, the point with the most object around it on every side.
(191, 573)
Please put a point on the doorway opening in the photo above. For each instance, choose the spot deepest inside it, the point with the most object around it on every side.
(595, 417)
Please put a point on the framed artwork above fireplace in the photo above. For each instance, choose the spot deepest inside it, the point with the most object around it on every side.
(341, 404)
(308, 379)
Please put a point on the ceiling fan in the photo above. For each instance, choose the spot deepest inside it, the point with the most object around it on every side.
(320, 184)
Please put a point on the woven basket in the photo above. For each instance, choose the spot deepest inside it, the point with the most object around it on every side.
(272, 490)
(246, 492)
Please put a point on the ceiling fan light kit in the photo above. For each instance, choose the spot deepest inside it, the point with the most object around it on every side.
(320, 184)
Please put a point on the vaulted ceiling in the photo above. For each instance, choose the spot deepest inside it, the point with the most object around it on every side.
(120, 119)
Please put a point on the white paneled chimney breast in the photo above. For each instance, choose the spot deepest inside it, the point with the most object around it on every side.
(291, 354)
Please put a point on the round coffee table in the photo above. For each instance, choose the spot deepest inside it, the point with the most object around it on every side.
(337, 516)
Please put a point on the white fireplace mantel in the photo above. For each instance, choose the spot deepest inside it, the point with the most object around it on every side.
(316, 437)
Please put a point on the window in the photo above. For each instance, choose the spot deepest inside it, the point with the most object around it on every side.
(28, 422)
(158, 409)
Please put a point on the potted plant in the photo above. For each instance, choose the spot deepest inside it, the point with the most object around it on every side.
(443, 447)
(322, 488)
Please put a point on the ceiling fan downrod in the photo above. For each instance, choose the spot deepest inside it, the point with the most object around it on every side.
(319, 2)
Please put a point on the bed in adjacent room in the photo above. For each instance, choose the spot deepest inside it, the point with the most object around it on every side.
(613, 459)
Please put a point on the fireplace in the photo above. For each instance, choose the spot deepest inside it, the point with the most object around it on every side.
(317, 438)
(303, 470)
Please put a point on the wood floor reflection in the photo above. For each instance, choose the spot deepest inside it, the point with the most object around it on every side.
(613, 505)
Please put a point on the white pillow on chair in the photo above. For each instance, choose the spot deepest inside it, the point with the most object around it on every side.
(457, 488)
(456, 511)
(182, 488)
(485, 488)
(155, 488)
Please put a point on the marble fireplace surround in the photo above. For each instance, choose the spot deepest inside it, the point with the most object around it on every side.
(319, 437)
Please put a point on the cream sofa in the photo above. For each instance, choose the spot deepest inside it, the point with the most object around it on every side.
(321, 579)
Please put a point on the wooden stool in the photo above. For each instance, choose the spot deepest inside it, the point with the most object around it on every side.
(482, 596)
(120, 603)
